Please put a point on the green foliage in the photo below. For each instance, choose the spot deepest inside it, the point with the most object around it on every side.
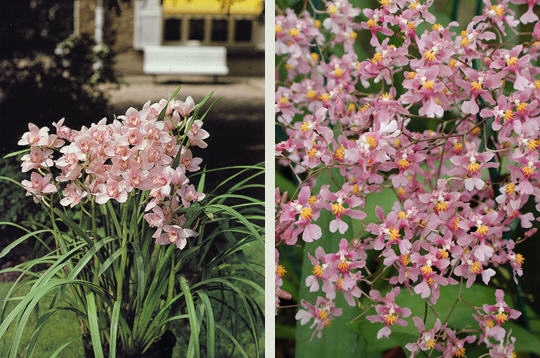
(340, 329)
(213, 288)
(62, 328)
(14, 206)
(455, 306)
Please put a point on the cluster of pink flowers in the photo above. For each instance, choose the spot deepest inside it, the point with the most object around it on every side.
(460, 187)
(138, 151)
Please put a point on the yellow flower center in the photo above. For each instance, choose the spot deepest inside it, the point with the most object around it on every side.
(429, 56)
(405, 259)
(332, 9)
(306, 213)
(377, 57)
(371, 23)
(280, 271)
(520, 259)
(501, 317)
(508, 115)
(393, 233)
(323, 314)
(293, 32)
(511, 61)
(318, 270)
(324, 97)
(426, 269)
(311, 94)
(464, 39)
(314, 57)
(510, 188)
(338, 72)
(476, 267)
(441, 206)
(339, 154)
(305, 126)
(390, 319)
(343, 266)
(403, 164)
(521, 106)
(527, 171)
(497, 9)
(337, 209)
(460, 352)
(533, 144)
(482, 230)
(476, 85)
(312, 152)
(429, 85)
(371, 141)
(312, 200)
(430, 344)
(473, 167)
(339, 283)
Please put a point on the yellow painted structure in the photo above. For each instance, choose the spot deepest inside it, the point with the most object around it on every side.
(213, 7)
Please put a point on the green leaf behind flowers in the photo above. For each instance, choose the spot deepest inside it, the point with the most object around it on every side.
(455, 307)
(339, 330)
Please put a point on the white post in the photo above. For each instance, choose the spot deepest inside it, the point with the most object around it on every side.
(98, 32)
(77, 17)
(147, 23)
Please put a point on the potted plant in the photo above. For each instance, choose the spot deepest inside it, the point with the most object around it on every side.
(137, 247)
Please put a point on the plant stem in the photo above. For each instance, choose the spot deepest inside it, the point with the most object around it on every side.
(120, 275)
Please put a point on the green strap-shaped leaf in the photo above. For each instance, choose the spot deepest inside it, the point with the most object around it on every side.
(193, 347)
(94, 325)
(115, 322)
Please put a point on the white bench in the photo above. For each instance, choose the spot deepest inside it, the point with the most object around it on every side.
(185, 60)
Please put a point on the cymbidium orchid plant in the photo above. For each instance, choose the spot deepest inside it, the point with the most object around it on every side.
(414, 150)
(135, 242)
